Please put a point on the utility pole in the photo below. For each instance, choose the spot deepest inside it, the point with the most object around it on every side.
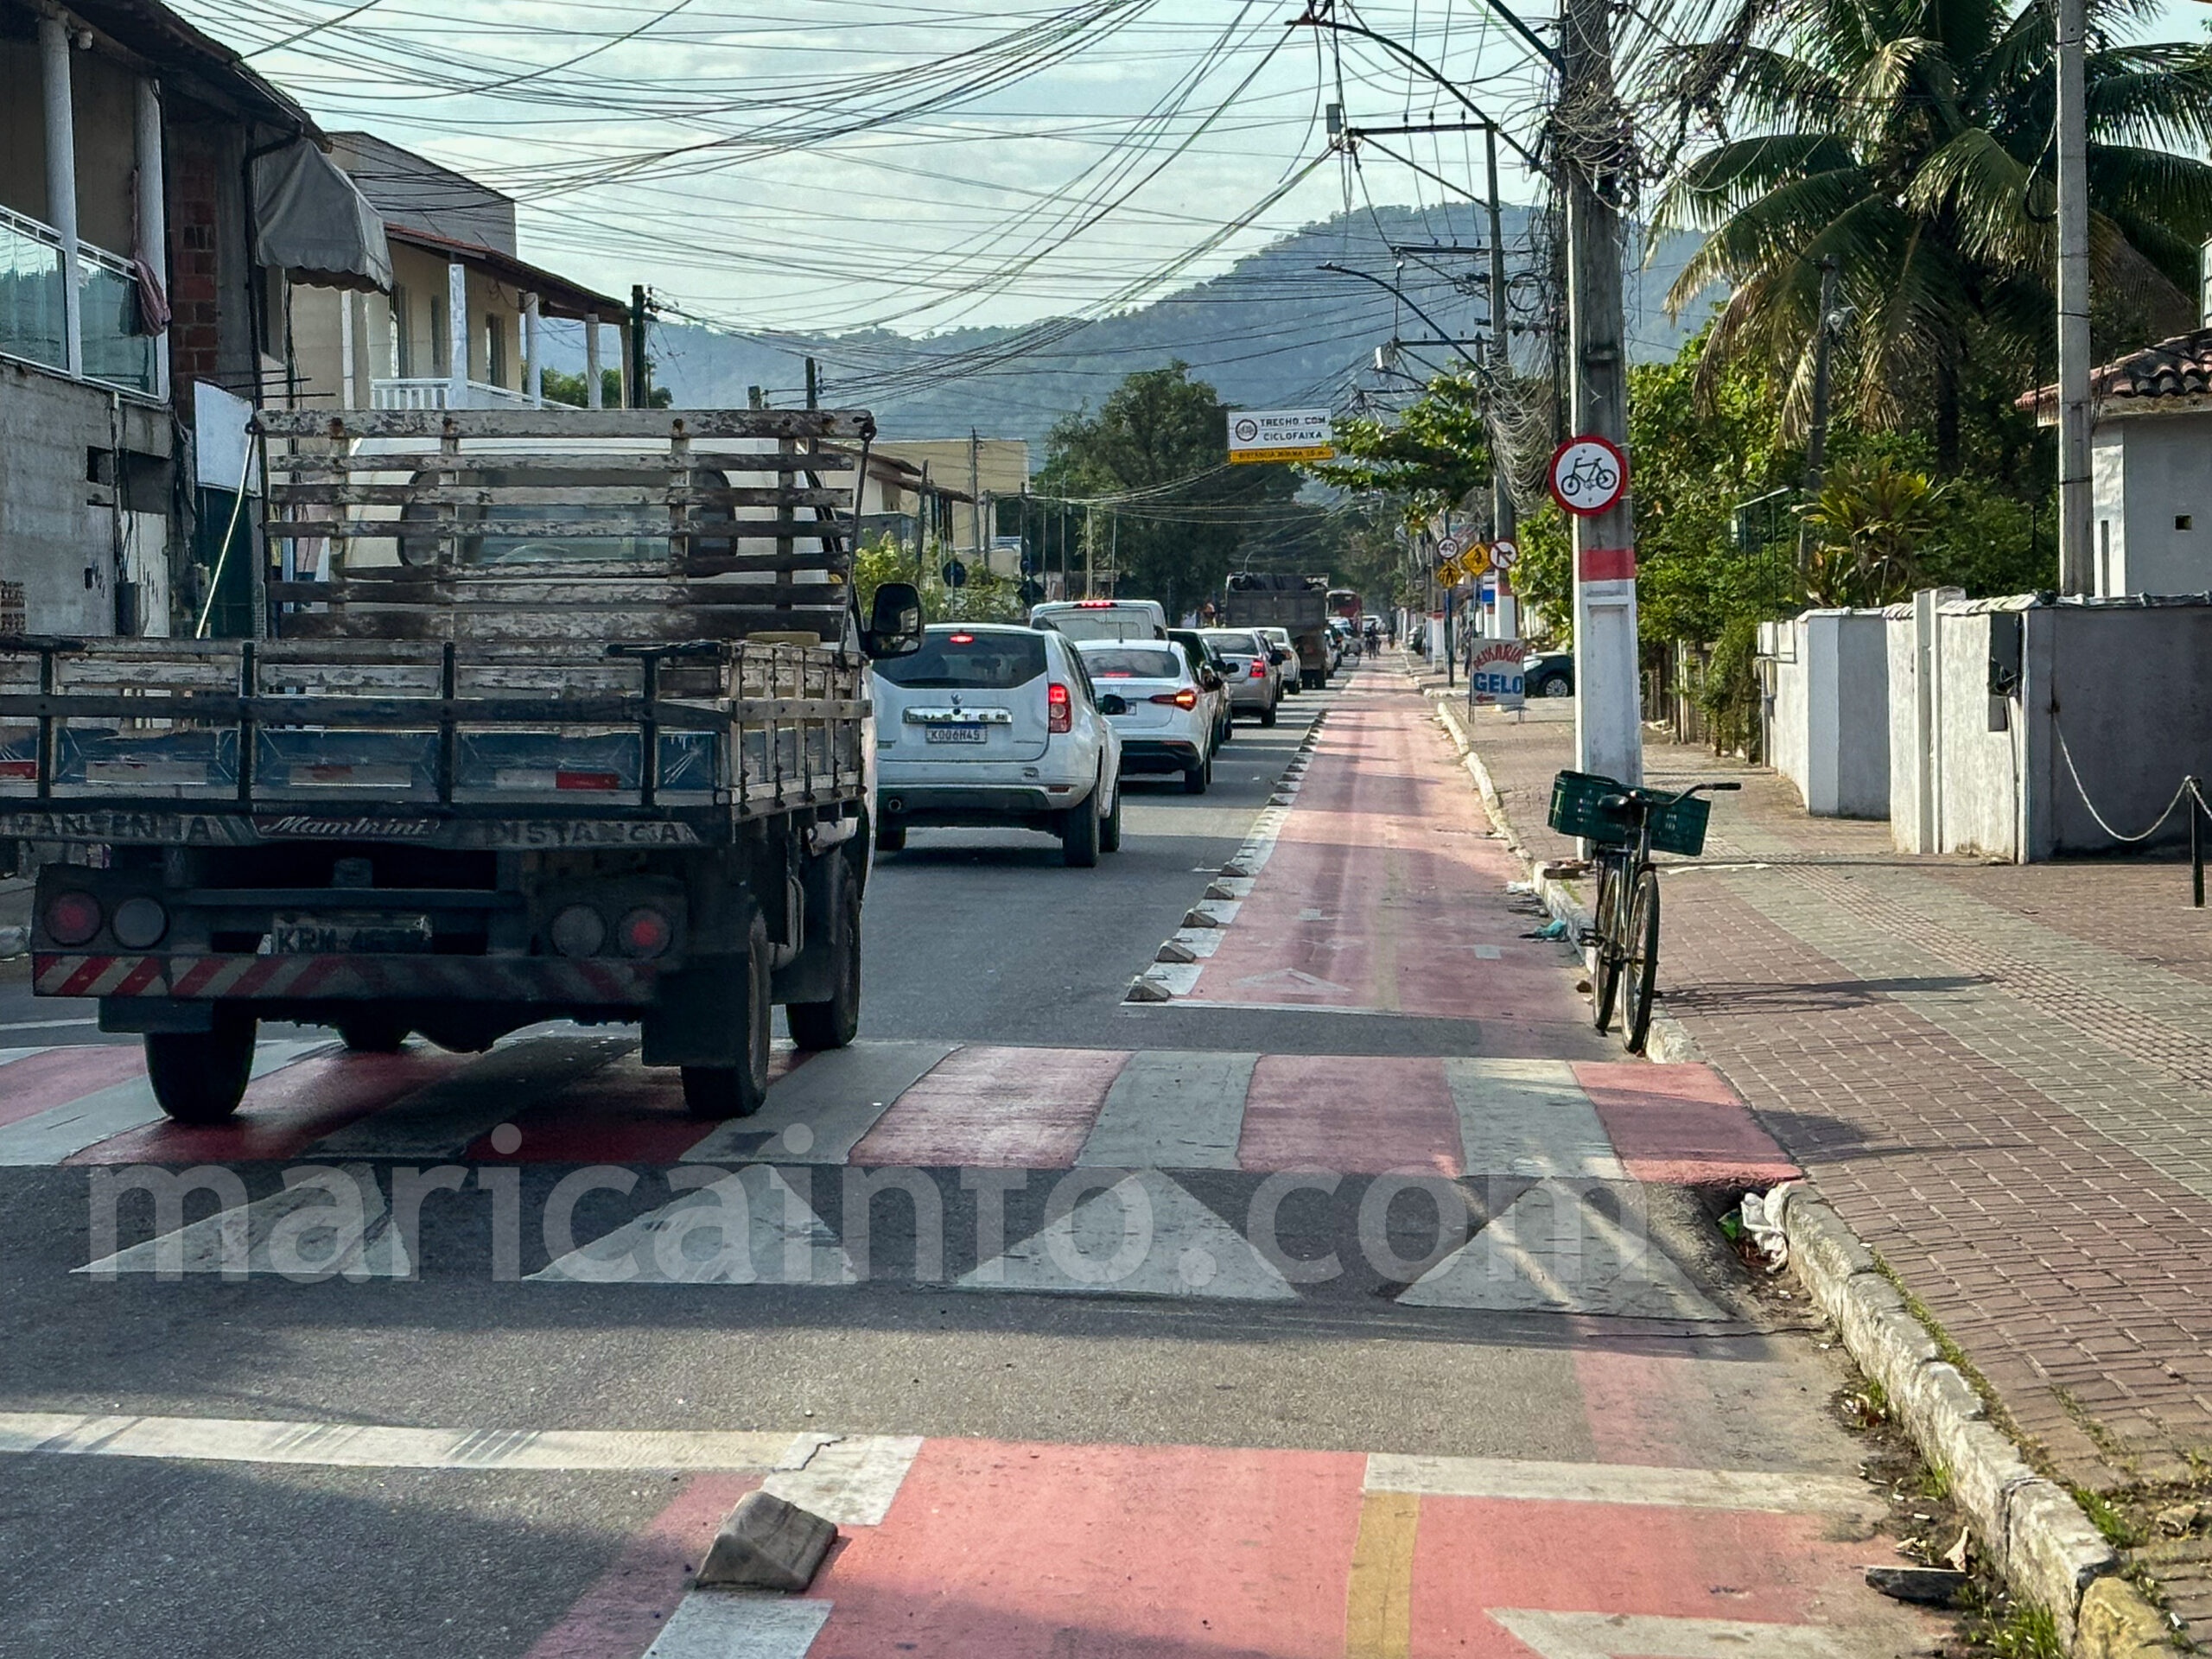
(813, 386)
(2076, 573)
(1593, 136)
(1816, 443)
(1502, 521)
(640, 393)
(975, 491)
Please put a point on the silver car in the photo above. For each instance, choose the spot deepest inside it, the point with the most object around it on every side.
(1254, 687)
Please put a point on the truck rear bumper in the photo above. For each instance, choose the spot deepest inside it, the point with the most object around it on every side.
(553, 981)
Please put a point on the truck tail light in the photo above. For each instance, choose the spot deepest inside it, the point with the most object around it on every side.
(644, 932)
(1186, 698)
(140, 922)
(1060, 709)
(73, 919)
(579, 930)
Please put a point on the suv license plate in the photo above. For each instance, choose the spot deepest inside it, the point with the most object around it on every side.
(380, 934)
(957, 734)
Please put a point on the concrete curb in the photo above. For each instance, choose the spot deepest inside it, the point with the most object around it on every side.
(2030, 1528)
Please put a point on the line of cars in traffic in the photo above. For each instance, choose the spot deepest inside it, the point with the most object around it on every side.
(1006, 725)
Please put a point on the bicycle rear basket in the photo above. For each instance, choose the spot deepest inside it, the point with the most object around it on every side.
(1577, 810)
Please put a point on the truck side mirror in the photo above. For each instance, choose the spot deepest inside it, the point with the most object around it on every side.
(894, 621)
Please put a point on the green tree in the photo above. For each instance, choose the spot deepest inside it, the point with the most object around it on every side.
(1164, 507)
(1428, 461)
(565, 388)
(1910, 142)
(1874, 517)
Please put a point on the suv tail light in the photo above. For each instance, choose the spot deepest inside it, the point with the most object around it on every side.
(1186, 698)
(1058, 708)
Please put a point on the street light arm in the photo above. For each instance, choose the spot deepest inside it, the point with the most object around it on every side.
(1409, 55)
(1442, 333)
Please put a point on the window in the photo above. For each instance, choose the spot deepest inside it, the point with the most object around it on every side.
(957, 658)
(1107, 662)
(2104, 558)
(2184, 521)
(403, 345)
(495, 349)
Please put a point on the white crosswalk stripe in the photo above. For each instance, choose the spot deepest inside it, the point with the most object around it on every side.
(817, 1112)
(1144, 1235)
(750, 1228)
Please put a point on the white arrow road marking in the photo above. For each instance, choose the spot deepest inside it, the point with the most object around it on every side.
(728, 1625)
(752, 1228)
(1144, 1235)
(851, 1481)
(1648, 1635)
(1556, 1250)
(326, 1223)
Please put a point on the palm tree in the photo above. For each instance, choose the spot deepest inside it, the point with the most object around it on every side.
(1910, 141)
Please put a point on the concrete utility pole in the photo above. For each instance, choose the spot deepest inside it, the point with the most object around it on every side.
(1608, 714)
(1816, 443)
(1501, 365)
(2075, 572)
(640, 392)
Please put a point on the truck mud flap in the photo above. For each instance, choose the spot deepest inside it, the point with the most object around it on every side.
(697, 1018)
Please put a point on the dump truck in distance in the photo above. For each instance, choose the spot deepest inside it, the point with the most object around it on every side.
(558, 714)
(1299, 605)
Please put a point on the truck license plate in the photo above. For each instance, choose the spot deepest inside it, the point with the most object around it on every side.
(376, 933)
(958, 733)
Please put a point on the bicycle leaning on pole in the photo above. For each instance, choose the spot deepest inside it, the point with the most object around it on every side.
(1625, 827)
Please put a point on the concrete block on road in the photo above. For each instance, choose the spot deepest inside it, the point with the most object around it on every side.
(2053, 1551)
(1828, 1254)
(1885, 1339)
(1934, 1394)
(1984, 1467)
(768, 1543)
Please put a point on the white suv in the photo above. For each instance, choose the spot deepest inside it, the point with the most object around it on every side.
(989, 724)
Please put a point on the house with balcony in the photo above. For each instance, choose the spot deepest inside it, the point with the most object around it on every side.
(465, 324)
(156, 199)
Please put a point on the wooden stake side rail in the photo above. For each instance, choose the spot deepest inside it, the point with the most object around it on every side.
(481, 525)
(79, 719)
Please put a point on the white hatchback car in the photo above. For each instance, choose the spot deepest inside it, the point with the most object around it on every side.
(1153, 697)
(990, 724)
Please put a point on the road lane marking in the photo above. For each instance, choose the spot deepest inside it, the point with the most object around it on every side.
(1171, 1109)
(1143, 1236)
(852, 1482)
(1529, 1117)
(326, 1223)
(45, 1025)
(1556, 1250)
(749, 1228)
(724, 1624)
(819, 1112)
(1651, 1636)
(60, 1132)
(368, 1446)
(1378, 1592)
(1769, 1491)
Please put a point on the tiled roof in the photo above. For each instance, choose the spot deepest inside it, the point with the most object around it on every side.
(2180, 367)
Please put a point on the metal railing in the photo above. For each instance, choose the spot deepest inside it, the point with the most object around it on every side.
(436, 392)
(34, 322)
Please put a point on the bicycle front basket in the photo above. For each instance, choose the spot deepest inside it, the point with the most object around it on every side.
(1577, 808)
(1679, 828)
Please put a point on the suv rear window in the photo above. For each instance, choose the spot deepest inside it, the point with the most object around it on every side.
(1132, 663)
(959, 659)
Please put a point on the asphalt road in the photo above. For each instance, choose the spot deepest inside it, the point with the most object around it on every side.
(972, 938)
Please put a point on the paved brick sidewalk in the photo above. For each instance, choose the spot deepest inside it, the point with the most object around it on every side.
(2001, 1075)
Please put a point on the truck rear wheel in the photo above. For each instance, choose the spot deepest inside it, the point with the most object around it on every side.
(200, 1076)
(722, 1091)
(835, 1022)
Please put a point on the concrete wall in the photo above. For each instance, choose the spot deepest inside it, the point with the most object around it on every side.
(2128, 689)
(1979, 784)
(64, 528)
(1830, 733)
(2162, 542)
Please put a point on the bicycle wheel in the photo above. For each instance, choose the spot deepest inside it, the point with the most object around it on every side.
(1641, 969)
(1605, 967)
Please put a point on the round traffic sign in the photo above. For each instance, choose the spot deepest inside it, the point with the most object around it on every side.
(1503, 555)
(1244, 430)
(955, 574)
(1449, 548)
(1588, 475)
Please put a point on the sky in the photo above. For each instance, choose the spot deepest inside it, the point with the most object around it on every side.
(917, 165)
